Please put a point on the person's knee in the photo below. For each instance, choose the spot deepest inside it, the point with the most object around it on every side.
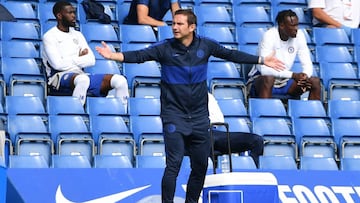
(82, 80)
(315, 82)
(118, 81)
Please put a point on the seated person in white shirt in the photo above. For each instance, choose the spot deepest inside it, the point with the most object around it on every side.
(65, 54)
(287, 43)
(239, 141)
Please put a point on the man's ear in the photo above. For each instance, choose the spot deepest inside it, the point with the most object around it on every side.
(192, 27)
(58, 16)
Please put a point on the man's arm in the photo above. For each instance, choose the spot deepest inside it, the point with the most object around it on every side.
(106, 52)
(323, 17)
(144, 18)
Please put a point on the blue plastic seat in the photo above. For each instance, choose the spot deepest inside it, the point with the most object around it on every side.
(108, 33)
(23, 10)
(146, 129)
(65, 105)
(306, 108)
(25, 105)
(114, 47)
(346, 133)
(239, 162)
(330, 36)
(252, 16)
(134, 46)
(142, 78)
(112, 136)
(340, 81)
(260, 107)
(71, 135)
(318, 163)
(250, 35)
(109, 161)
(19, 30)
(226, 3)
(279, 140)
(110, 8)
(350, 164)
(27, 161)
(277, 163)
(213, 15)
(164, 32)
(343, 109)
(104, 67)
(314, 137)
(30, 136)
(105, 106)
(144, 106)
(123, 10)
(137, 34)
(70, 161)
(146, 161)
(23, 77)
(20, 48)
(333, 54)
(232, 107)
(355, 37)
(223, 34)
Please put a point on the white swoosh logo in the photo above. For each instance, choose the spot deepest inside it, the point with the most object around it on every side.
(109, 199)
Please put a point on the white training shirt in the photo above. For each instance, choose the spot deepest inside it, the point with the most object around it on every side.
(346, 12)
(61, 50)
(215, 114)
(286, 51)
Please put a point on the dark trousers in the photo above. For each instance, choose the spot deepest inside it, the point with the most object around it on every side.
(239, 142)
(193, 141)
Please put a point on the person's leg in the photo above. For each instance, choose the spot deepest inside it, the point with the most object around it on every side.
(119, 83)
(199, 150)
(263, 86)
(315, 91)
(174, 148)
(81, 84)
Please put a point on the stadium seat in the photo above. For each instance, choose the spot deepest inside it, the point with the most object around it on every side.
(146, 129)
(108, 33)
(213, 15)
(340, 81)
(252, 16)
(30, 136)
(110, 8)
(232, 107)
(112, 136)
(143, 78)
(318, 163)
(144, 106)
(301, 11)
(65, 105)
(357, 55)
(355, 37)
(23, 11)
(279, 140)
(105, 106)
(239, 162)
(164, 32)
(250, 35)
(21, 49)
(306, 108)
(137, 34)
(27, 161)
(104, 67)
(350, 164)
(143, 161)
(222, 76)
(237, 124)
(330, 36)
(19, 30)
(24, 105)
(277, 163)
(71, 135)
(23, 77)
(123, 10)
(222, 34)
(110, 161)
(100, 58)
(134, 46)
(226, 3)
(70, 161)
(333, 54)
(314, 137)
(343, 109)
(260, 107)
(346, 133)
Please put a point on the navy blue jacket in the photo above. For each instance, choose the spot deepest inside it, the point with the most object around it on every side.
(184, 73)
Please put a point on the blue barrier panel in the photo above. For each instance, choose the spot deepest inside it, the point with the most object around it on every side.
(2, 184)
(241, 187)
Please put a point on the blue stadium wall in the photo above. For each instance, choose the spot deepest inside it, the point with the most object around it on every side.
(144, 185)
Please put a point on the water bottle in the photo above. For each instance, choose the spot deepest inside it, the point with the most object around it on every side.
(225, 168)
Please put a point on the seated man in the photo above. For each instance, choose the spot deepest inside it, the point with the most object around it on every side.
(239, 141)
(66, 53)
(287, 44)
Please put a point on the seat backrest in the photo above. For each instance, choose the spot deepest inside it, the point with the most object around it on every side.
(343, 109)
(310, 127)
(146, 161)
(350, 164)
(232, 107)
(164, 32)
(223, 34)
(306, 108)
(18, 124)
(250, 35)
(107, 124)
(64, 105)
(145, 124)
(23, 10)
(260, 107)
(329, 53)
(137, 34)
(149, 69)
(24, 105)
(123, 10)
(104, 67)
(345, 127)
(108, 32)
(271, 126)
(239, 162)
(144, 106)
(70, 161)
(20, 48)
(277, 163)
(252, 16)
(318, 163)
(330, 36)
(105, 106)
(22, 66)
(213, 15)
(27, 161)
(330, 71)
(222, 70)
(59, 124)
(109, 161)
(19, 30)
